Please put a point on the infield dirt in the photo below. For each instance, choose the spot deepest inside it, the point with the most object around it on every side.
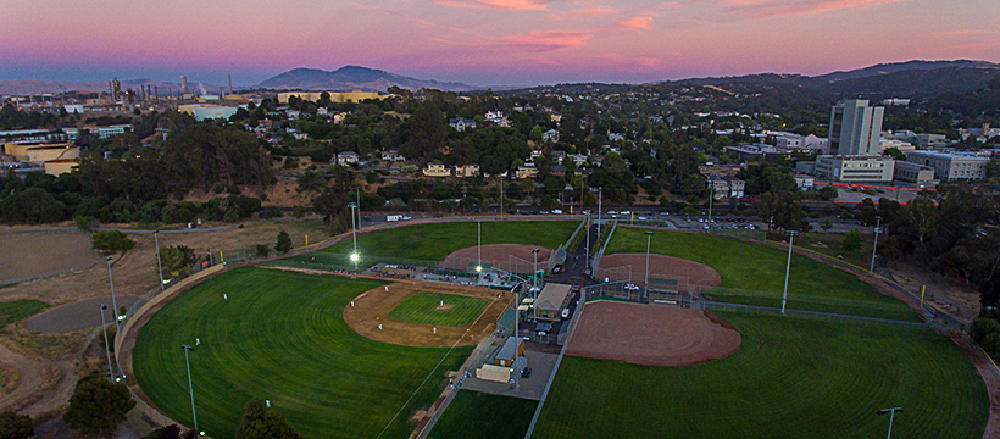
(515, 258)
(372, 308)
(690, 274)
(652, 335)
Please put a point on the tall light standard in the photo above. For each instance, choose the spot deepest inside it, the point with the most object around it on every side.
(645, 284)
(114, 301)
(159, 263)
(107, 349)
(892, 414)
(354, 228)
(711, 199)
(479, 245)
(194, 415)
(600, 198)
(878, 224)
(534, 309)
(788, 268)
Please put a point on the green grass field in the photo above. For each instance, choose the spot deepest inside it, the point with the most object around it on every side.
(422, 308)
(281, 336)
(790, 378)
(428, 243)
(474, 415)
(17, 310)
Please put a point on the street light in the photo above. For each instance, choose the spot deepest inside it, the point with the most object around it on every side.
(107, 349)
(878, 225)
(354, 227)
(479, 245)
(892, 414)
(159, 262)
(645, 284)
(788, 268)
(534, 280)
(194, 416)
(114, 301)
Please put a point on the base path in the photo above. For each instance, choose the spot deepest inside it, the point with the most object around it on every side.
(372, 308)
(652, 335)
(515, 258)
(689, 273)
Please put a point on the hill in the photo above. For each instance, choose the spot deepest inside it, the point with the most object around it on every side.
(352, 77)
(907, 79)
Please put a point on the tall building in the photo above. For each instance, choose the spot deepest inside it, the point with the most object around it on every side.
(855, 128)
(116, 88)
(184, 84)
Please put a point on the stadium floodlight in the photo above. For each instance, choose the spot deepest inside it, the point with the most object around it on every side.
(107, 348)
(114, 301)
(194, 415)
(479, 269)
(355, 258)
(892, 414)
(788, 268)
(645, 285)
(159, 261)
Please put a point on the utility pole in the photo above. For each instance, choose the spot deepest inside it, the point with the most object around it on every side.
(788, 268)
(194, 415)
(114, 302)
(107, 349)
(600, 198)
(159, 262)
(892, 414)
(479, 246)
(501, 198)
(359, 205)
(645, 284)
(878, 225)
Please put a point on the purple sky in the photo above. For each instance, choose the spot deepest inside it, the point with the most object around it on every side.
(484, 42)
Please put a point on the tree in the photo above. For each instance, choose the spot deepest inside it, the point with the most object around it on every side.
(895, 153)
(171, 432)
(262, 250)
(261, 423)
(15, 426)
(826, 224)
(84, 222)
(33, 205)
(284, 242)
(98, 406)
(178, 259)
(112, 241)
(852, 241)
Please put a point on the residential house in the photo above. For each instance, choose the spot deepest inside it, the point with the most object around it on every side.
(558, 156)
(467, 171)
(527, 170)
(552, 135)
(347, 158)
(462, 124)
(436, 169)
(392, 155)
(578, 159)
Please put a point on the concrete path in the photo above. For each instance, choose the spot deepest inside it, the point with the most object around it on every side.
(77, 315)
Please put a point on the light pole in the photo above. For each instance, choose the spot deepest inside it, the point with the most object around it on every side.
(892, 414)
(114, 301)
(788, 268)
(534, 308)
(107, 349)
(878, 225)
(645, 284)
(354, 228)
(711, 199)
(159, 263)
(194, 415)
(479, 245)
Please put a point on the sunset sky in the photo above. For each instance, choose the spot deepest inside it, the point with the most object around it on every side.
(483, 42)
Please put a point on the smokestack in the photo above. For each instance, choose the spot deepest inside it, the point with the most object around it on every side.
(184, 84)
(230, 82)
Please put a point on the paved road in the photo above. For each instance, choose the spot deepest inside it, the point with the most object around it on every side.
(77, 315)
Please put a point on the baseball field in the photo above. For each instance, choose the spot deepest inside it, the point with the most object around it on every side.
(281, 336)
(430, 243)
(428, 308)
(755, 274)
(790, 378)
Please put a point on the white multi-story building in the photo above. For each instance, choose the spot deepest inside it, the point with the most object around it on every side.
(951, 166)
(855, 169)
(792, 141)
(855, 128)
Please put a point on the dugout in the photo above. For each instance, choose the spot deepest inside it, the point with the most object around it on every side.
(512, 348)
(552, 300)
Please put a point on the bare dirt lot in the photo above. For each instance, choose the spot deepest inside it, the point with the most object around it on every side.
(689, 273)
(652, 335)
(515, 258)
(373, 307)
(25, 255)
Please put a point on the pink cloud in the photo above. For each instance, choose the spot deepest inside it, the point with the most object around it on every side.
(961, 32)
(544, 41)
(635, 23)
(633, 63)
(654, 9)
(781, 8)
(584, 13)
(503, 5)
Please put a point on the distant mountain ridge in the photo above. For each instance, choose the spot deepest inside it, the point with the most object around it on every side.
(350, 78)
(908, 79)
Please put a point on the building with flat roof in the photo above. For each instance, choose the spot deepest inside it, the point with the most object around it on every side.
(347, 96)
(203, 112)
(951, 166)
(911, 172)
(512, 348)
(855, 169)
(855, 128)
(552, 300)
(757, 152)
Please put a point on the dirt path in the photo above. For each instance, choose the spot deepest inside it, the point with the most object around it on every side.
(44, 387)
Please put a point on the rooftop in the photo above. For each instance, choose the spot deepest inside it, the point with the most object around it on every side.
(553, 296)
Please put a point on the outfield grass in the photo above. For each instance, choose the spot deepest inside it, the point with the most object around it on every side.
(474, 415)
(790, 378)
(17, 310)
(433, 242)
(422, 308)
(281, 336)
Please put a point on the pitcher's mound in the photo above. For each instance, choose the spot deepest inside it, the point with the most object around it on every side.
(652, 335)
(515, 258)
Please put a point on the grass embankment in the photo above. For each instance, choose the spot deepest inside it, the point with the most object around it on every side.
(281, 336)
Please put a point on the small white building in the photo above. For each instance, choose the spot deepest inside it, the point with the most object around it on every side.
(347, 158)
(855, 169)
